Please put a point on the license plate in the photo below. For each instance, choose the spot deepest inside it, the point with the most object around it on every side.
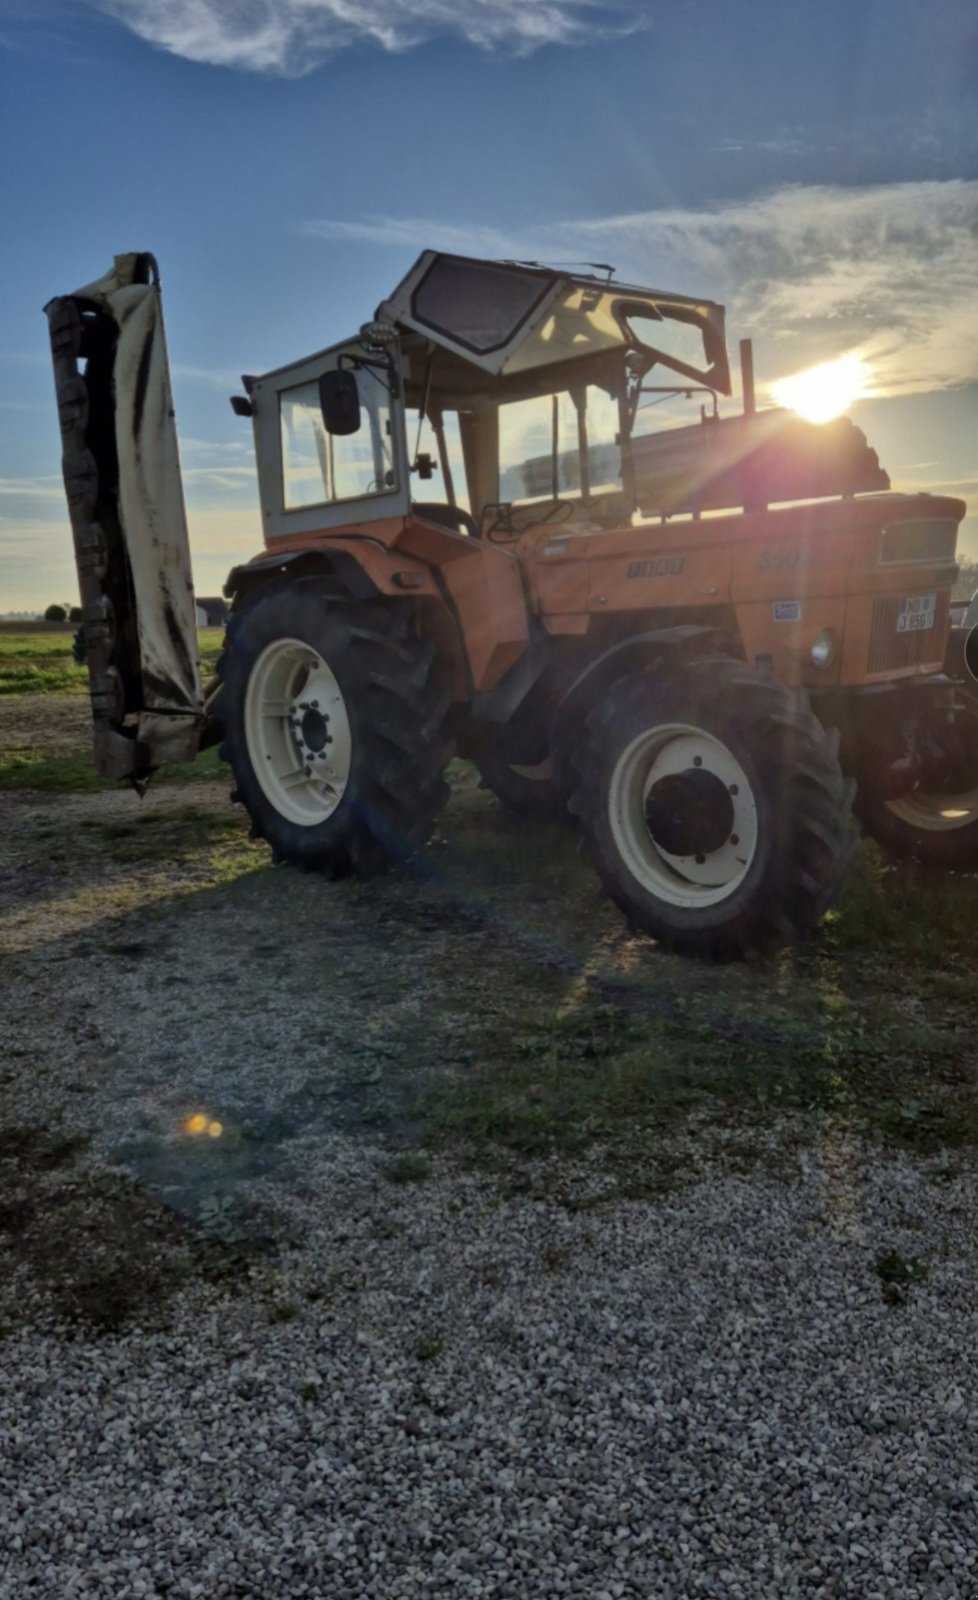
(917, 613)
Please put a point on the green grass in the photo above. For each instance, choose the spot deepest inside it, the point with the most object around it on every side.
(603, 1077)
(74, 772)
(39, 663)
(150, 836)
(42, 663)
(870, 1028)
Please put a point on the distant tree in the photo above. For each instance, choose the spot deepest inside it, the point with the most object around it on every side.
(967, 580)
(75, 614)
(55, 614)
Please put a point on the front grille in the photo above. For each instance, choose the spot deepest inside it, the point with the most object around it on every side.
(889, 651)
(925, 539)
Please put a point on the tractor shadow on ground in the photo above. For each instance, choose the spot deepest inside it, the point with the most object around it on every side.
(227, 1037)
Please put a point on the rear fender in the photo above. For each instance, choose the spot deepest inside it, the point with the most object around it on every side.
(125, 501)
(360, 568)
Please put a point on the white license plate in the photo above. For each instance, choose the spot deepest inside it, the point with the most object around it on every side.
(917, 613)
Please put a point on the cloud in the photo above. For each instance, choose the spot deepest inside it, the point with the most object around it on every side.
(811, 272)
(213, 377)
(42, 488)
(292, 37)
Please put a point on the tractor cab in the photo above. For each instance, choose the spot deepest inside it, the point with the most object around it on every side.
(530, 396)
(512, 385)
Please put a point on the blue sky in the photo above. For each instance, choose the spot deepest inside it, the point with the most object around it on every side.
(813, 163)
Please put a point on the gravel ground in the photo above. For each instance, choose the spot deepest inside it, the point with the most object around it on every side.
(445, 1393)
(256, 1365)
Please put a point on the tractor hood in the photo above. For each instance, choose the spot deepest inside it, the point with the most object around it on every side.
(510, 318)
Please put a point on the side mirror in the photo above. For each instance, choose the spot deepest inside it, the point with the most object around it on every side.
(339, 401)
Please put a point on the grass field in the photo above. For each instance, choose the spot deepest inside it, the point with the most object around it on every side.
(41, 662)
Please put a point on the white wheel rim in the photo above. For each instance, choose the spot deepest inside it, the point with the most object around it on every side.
(936, 813)
(298, 732)
(690, 881)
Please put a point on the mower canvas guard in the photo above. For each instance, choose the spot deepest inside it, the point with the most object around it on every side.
(125, 500)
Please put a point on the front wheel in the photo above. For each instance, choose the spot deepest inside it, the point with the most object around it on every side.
(334, 729)
(713, 807)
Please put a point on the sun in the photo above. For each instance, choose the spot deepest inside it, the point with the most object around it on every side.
(825, 391)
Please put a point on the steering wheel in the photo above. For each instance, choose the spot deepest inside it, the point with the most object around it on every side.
(513, 521)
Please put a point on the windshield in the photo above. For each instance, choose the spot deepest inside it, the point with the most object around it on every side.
(555, 445)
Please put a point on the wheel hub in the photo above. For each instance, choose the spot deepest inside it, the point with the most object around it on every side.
(689, 813)
(312, 729)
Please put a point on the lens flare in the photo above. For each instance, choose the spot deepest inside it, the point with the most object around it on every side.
(825, 391)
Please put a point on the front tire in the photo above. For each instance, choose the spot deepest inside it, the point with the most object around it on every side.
(334, 729)
(713, 807)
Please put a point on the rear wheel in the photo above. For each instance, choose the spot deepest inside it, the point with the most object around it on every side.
(334, 729)
(713, 807)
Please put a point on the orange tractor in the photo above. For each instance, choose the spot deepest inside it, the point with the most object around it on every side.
(688, 638)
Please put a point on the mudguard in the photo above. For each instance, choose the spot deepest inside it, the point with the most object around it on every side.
(125, 500)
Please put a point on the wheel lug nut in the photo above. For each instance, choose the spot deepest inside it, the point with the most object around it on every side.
(734, 838)
(734, 789)
(697, 761)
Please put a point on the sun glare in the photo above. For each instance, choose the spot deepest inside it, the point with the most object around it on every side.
(825, 391)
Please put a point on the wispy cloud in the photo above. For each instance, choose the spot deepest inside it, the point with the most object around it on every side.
(292, 37)
(212, 377)
(812, 272)
(46, 488)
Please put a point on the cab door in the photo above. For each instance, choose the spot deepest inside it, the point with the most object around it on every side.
(312, 478)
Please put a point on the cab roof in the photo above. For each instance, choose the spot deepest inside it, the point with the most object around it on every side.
(511, 318)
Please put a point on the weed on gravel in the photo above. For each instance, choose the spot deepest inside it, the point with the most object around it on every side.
(89, 1247)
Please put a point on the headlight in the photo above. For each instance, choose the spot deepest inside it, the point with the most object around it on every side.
(823, 650)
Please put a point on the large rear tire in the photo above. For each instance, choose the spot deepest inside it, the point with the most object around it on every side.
(334, 729)
(713, 807)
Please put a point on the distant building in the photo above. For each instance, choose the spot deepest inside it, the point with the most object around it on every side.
(211, 612)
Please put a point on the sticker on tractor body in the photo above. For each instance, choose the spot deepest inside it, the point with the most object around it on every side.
(787, 611)
(659, 567)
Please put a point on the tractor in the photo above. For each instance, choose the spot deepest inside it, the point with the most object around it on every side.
(491, 529)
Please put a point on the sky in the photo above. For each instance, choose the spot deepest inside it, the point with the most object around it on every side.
(811, 163)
